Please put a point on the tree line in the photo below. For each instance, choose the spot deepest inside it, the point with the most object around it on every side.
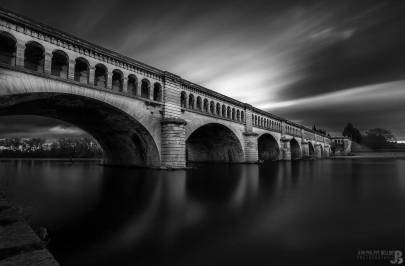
(376, 138)
(81, 147)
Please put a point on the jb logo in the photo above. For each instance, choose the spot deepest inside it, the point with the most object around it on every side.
(397, 257)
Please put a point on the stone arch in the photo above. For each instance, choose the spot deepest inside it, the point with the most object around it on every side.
(228, 112)
(233, 114)
(237, 115)
(8, 48)
(34, 56)
(157, 92)
(145, 88)
(199, 103)
(124, 139)
(213, 143)
(191, 101)
(268, 148)
(223, 110)
(60, 64)
(100, 76)
(242, 116)
(212, 107)
(183, 99)
(205, 105)
(132, 84)
(295, 149)
(82, 70)
(117, 80)
(218, 109)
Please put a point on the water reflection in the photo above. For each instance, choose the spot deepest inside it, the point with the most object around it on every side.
(213, 214)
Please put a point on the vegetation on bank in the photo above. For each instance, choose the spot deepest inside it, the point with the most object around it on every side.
(378, 139)
(81, 147)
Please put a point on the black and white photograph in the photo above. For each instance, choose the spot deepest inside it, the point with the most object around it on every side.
(202, 133)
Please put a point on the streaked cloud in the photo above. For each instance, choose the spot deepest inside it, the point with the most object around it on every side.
(301, 60)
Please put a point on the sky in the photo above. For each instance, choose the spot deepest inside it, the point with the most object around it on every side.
(313, 62)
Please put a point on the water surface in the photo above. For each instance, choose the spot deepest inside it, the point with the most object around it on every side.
(282, 213)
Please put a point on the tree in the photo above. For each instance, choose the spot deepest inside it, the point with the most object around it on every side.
(351, 132)
(379, 138)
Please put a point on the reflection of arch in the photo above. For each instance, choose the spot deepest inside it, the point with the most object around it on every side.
(295, 149)
(268, 148)
(34, 56)
(322, 151)
(214, 143)
(7, 48)
(124, 139)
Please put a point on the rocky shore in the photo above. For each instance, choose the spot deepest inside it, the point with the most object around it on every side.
(19, 243)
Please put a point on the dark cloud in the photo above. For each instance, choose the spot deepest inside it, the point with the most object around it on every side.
(37, 127)
(271, 54)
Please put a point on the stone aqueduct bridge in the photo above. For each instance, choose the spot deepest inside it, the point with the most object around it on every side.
(140, 115)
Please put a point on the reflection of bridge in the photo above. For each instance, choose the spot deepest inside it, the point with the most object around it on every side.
(139, 114)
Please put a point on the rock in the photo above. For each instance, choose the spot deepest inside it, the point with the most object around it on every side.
(33, 258)
(18, 237)
(10, 215)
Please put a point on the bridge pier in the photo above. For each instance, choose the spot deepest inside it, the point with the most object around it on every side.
(251, 149)
(318, 151)
(173, 149)
(285, 149)
(327, 151)
(305, 149)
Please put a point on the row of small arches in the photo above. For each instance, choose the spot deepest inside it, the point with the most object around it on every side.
(34, 60)
(210, 107)
(266, 123)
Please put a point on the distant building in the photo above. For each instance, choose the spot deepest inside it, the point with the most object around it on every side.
(341, 145)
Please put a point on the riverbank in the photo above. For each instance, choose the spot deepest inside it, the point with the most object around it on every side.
(371, 155)
(19, 244)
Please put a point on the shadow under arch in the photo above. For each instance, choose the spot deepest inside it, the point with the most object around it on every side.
(213, 143)
(268, 148)
(125, 141)
(295, 149)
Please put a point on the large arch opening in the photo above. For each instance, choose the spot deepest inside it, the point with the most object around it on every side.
(295, 149)
(124, 140)
(7, 49)
(268, 148)
(213, 143)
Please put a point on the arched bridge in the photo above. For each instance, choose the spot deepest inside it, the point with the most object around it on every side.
(139, 114)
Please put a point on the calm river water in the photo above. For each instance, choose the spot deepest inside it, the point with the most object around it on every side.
(282, 213)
